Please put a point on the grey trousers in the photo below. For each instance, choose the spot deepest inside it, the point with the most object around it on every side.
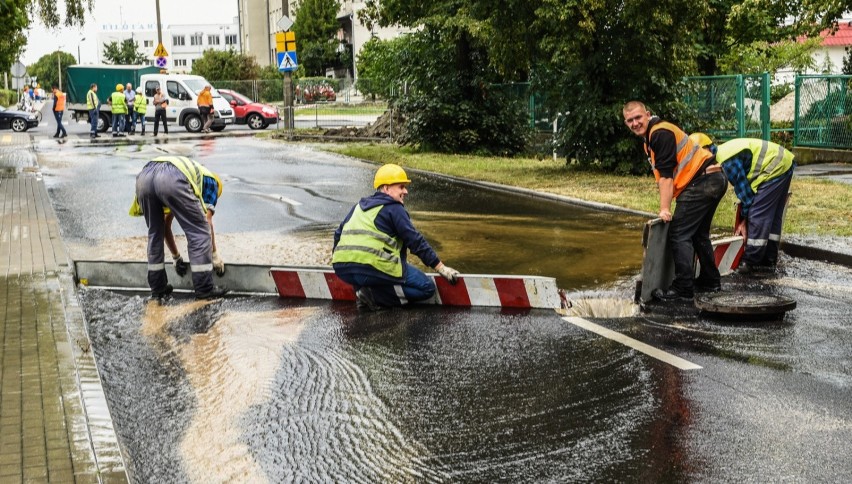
(161, 185)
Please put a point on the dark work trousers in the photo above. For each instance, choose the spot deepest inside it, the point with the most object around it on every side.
(161, 185)
(765, 217)
(160, 114)
(417, 287)
(94, 114)
(689, 232)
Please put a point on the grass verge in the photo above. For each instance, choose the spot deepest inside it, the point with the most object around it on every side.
(818, 207)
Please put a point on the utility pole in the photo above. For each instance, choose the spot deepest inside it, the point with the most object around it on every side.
(159, 27)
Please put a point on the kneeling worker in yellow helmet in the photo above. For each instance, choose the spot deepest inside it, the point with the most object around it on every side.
(371, 244)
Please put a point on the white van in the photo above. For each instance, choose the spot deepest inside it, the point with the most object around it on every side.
(182, 92)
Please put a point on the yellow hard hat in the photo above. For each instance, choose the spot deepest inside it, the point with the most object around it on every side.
(119, 87)
(701, 139)
(390, 174)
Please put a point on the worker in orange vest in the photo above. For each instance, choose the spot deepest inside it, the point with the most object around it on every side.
(59, 111)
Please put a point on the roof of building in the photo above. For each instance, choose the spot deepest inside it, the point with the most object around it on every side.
(843, 36)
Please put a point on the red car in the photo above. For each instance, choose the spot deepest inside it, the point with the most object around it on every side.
(255, 115)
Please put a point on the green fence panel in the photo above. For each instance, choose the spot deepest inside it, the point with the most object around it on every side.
(732, 106)
(823, 111)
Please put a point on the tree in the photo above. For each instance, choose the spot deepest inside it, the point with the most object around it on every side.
(45, 69)
(379, 69)
(125, 53)
(225, 65)
(16, 16)
(847, 62)
(316, 35)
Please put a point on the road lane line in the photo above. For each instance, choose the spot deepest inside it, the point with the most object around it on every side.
(632, 343)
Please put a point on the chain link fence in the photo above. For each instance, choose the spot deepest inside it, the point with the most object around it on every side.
(823, 112)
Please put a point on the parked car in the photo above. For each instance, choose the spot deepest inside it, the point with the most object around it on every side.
(17, 120)
(255, 115)
(311, 93)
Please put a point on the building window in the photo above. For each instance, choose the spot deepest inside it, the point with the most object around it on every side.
(178, 40)
(149, 43)
(195, 39)
(231, 39)
(213, 39)
(180, 62)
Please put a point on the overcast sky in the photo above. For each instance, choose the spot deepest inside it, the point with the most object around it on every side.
(118, 12)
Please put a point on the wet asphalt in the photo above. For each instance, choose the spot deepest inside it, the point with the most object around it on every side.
(278, 390)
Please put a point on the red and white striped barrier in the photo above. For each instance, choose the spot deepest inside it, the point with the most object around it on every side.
(728, 252)
(470, 290)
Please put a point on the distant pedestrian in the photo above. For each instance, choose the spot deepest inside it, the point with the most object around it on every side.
(160, 105)
(130, 117)
(59, 111)
(93, 104)
(205, 107)
(118, 105)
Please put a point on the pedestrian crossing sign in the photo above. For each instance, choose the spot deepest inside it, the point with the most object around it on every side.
(287, 61)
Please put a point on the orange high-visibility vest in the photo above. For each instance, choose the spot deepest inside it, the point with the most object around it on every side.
(690, 156)
(60, 101)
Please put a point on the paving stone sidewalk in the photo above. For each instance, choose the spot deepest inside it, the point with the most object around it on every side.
(54, 422)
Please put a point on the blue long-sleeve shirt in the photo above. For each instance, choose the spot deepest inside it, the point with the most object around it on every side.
(394, 221)
(736, 170)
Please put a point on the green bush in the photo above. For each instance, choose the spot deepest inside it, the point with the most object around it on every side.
(8, 97)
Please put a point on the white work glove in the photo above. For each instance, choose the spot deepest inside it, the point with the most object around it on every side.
(218, 264)
(181, 266)
(448, 273)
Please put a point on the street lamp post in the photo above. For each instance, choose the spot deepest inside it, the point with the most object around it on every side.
(59, 65)
(78, 49)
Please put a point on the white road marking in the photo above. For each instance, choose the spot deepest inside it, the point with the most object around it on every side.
(661, 355)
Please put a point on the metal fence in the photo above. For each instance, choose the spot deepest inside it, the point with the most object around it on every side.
(823, 112)
(734, 106)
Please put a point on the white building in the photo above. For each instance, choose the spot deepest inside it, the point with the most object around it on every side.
(258, 23)
(184, 43)
(353, 32)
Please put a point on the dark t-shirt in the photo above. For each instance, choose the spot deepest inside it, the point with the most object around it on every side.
(664, 146)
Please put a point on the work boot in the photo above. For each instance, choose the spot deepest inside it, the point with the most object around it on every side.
(745, 269)
(162, 293)
(670, 295)
(364, 300)
(213, 293)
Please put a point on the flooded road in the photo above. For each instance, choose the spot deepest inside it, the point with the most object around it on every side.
(273, 390)
(281, 204)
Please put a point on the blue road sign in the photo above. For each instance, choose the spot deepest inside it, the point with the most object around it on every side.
(287, 61)
(161, 62)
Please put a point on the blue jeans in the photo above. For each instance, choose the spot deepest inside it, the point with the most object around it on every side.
(93, 119)
(59, 128)
(139, 118)
(117, 123)
(416, 287)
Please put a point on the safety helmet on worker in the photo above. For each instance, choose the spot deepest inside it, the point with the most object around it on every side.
(390, 174)
(119, 87)
(703, 141)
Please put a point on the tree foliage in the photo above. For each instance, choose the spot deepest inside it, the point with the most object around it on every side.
(124, 53)
(16, 16)
(379, 68)
(316, 35)
(588, 57)
(219, 65)
(847, 62)
(47, 67)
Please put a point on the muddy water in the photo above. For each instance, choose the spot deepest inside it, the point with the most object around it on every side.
(248, 390)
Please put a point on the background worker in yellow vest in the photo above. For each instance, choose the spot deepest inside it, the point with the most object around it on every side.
(93, 104)
(371, 246)
(760, 172)
(689, 174)
(119, 110)
(176, 182)
(140, 105)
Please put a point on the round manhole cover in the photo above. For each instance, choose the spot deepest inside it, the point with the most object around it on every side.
(744, 303)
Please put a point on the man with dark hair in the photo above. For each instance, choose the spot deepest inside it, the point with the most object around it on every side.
(59, 111)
